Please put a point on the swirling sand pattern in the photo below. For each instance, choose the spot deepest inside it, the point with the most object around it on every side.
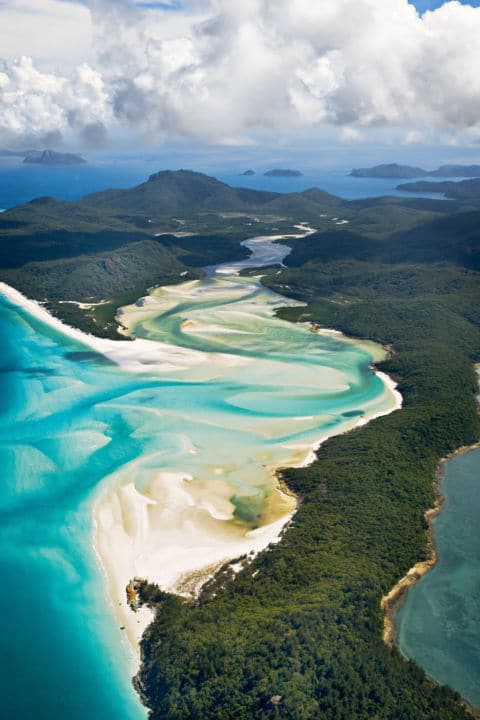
(174, 441)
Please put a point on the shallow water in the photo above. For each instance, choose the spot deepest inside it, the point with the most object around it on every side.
(439, 624)
(238, 394)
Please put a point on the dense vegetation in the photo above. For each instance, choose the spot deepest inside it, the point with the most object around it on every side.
(463, 190)
(112, 245)
(298, 633)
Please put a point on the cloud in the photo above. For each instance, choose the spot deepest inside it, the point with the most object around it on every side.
(55, 33)
(222, 71)
(35, 105)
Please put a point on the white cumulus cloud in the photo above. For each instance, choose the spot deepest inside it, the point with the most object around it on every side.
(221, 71)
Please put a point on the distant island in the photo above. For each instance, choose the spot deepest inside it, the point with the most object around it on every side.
(466, 171)
(50, 157)
(389, 171)
(279, 172)
(393, 170)
(464, 190)
(249, 173)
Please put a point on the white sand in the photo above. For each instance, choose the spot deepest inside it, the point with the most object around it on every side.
(139, 355)
(172, 533)
(169, 535)
(177, 538)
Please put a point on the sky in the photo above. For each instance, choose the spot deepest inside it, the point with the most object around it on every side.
(117, 73)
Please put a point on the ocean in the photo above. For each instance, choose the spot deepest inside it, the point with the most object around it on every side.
(20, 183)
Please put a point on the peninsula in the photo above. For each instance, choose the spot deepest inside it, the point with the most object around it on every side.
(462, 190)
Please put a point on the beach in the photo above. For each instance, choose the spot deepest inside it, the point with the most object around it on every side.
(174, 516)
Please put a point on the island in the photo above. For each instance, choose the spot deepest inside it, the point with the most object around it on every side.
(297, 630)
(395, 171)
(50, 157)
(391, 170)
(249, 173)
(462, 190)
(286, 173)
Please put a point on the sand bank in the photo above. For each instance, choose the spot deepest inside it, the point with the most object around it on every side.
(139, 355)
(175, 535)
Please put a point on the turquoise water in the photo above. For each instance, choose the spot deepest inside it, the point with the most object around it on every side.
(219, 383)
(57, 630)
(439, 624)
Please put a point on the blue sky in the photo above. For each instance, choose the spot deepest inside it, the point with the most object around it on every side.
(423, 5)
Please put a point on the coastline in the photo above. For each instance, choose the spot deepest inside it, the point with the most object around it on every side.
(393, 601)
(195, 552)
(138, 356)
(196, 567)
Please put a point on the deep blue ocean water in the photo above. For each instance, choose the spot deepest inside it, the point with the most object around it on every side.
(20, 183)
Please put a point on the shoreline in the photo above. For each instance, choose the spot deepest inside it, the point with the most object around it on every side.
(124, 498)
(193, 568)
(392, 602)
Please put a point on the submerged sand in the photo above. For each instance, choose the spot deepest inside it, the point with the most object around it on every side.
(171, 528)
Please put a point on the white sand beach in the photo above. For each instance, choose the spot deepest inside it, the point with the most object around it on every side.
(177, 530)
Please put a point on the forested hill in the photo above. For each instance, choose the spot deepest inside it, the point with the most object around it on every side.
(110, 246)
(184, 191)
(297, 634)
